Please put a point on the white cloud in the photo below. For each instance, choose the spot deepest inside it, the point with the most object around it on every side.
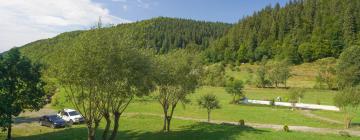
(23, 21)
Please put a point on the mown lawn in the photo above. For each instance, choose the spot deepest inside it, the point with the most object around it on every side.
(148, 128)
(232, 112)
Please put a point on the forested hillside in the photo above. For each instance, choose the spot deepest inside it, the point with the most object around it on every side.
(162, 34)
(301, 31)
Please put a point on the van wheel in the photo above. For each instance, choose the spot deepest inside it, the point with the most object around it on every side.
(71, 122)
(52, 126)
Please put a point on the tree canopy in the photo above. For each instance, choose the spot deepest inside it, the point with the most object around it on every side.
(348, 67)
(301, 31)
(21, 87)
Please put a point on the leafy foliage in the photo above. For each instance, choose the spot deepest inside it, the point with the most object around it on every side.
(209, 102)
(326, 74)
(177, 75)
(348, 101)
(348, 68)
(235, 88)
(279, 73)
(21, 87)
(214, 75)
(301, 31)
(296, 95)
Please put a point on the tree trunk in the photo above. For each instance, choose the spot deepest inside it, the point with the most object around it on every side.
(9, 132)
(168, 123)
(347, 122)
(116, 125)
(208, 115)
(165, 117)
(9, 127)
(107, 126)
(165, 122)
(234, 96)
(170, 117)
(91, 133)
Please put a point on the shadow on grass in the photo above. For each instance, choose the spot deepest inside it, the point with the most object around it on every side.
(196, 131)
(20, 120)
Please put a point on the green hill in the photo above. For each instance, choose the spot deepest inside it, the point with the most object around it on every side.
(301, 31)
(162, 34)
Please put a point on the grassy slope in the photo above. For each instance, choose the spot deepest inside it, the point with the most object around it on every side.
(303, 76)
(145, 127)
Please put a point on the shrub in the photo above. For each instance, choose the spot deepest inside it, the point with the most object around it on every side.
(286, 128)
(242, 122)
(272, 102)
(318, 101)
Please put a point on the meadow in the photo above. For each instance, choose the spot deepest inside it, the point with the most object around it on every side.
(149, 127)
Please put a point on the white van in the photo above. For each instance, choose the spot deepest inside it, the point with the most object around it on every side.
(71, 116)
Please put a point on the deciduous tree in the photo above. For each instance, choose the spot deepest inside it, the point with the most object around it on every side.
(348, 101)
(178, 75)
(21, 87)
(209, 102)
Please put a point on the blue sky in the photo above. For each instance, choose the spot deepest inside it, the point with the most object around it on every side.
(25, 21)
(211, 10)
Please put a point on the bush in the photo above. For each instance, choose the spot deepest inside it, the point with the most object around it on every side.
(318, 101)
(272, 102)
(286, 128)
(55, 101)
(242, 122)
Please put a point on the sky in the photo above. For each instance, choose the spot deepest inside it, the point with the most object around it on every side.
(25, 21)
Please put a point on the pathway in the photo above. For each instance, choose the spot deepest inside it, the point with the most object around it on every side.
(308, 113)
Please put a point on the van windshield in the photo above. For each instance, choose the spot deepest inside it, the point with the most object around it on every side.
(73, 113)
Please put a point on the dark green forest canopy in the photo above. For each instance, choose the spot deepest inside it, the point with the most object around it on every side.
(162, 34)
(301, 31)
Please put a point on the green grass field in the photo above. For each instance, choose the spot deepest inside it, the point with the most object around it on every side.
(148, 127)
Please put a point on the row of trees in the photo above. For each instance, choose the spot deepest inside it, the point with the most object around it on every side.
(102, 78)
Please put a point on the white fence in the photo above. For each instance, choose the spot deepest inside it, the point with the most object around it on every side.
(298, 105)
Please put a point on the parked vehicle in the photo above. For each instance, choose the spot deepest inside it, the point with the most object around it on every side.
(71, 116)
(52, 121)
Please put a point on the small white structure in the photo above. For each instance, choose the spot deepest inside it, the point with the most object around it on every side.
(297, 105)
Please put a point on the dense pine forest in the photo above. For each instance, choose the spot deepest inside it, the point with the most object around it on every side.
(301, 31)
(162, 34)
